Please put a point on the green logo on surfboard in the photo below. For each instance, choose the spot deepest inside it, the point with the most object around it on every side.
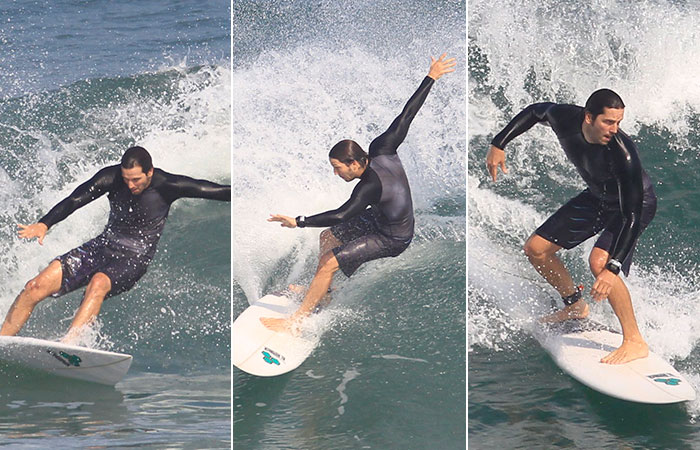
(73, 359)
(668, 381)
(65, 358)
(269, 359)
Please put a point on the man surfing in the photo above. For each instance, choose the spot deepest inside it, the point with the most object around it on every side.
(377, 221)
(618, 204)
(139, 199)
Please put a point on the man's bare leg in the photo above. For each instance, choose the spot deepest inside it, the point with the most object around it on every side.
(95, 293)
(633, 344)
(48, 282)
(327, 242)
(542, 256)
(317, 290)
(301, 290)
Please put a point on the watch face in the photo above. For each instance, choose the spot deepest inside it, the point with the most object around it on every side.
(613, 266)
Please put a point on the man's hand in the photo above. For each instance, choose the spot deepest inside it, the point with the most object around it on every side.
(441, 66)
(603, 285)
(494, 159)
(35, 230)
(286, 221)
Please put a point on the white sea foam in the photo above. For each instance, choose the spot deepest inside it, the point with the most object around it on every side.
(186, 131)
(285, 121)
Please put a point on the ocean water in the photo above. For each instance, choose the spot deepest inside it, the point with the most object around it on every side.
(558, 50)
(79, 83)
(389, 369)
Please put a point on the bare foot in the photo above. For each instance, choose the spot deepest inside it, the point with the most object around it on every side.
(578, 310)
(628, 351)
(68, 340)
(72, 337)
(280, 325)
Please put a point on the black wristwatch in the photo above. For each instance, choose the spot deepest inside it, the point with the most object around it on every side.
(614, 266)
(301, 221)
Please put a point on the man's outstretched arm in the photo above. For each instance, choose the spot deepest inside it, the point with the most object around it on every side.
(186, 187)
(364, 194)
(389, 141)
(95, 187)
(526, 119)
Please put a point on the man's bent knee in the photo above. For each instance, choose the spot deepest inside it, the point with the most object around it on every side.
(597, 260)
(33, 293)
(326, 235)
(100, 283)
(328, 264)
(538, 247)
(47, 282)
(327, 240)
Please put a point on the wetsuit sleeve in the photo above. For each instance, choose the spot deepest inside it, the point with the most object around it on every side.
(389, 141)
(95, 187)
(180, 186)
(366, 193)
(631, 191)
(526, 119)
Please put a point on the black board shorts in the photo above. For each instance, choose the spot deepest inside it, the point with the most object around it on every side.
(585, 216)
(362, 241)
(124, 268)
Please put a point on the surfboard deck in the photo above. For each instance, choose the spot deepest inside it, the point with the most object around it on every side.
(260, 351)
(577, 347)
(70, 361)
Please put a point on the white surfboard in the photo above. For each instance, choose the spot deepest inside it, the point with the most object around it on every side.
(71, 361)
(577, 347)
(260, 351)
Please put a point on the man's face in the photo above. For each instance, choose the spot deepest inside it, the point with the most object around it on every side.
(605, 125)
(347, 172)
(136, 180)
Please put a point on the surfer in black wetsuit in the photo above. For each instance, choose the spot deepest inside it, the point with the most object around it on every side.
(139, 198)
(377, 221)
(619, 203)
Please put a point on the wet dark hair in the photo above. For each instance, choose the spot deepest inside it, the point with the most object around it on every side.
(603, 98)
(347, 151)
(137, 156)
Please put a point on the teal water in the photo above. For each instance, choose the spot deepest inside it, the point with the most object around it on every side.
(517, 397)
(389, 369)
(79, 83)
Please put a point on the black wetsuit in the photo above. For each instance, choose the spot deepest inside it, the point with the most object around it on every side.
(380, 204)
(620, 197)
(126, 246)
